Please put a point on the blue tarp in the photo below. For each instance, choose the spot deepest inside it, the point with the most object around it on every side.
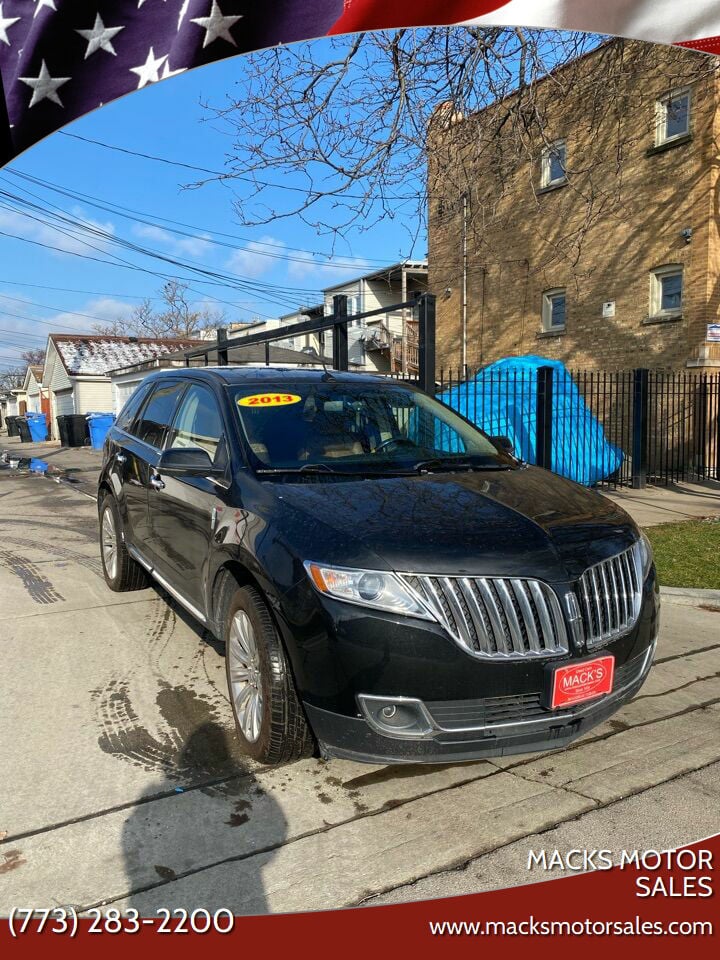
(502, 401)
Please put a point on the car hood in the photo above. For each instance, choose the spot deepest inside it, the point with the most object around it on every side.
(524, 522)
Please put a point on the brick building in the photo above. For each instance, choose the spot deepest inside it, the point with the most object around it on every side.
(591, 236)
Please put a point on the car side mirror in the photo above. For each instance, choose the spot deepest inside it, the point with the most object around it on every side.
(187, 462)
(505, 443)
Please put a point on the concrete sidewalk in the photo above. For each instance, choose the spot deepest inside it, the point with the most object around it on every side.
(669, 504)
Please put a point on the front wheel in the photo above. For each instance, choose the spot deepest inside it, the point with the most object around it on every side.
(270, 722)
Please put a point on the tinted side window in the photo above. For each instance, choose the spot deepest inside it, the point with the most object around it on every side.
(158, 413)
(199, 424)
(133, 404)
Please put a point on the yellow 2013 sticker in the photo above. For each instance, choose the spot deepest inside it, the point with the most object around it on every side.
(269, 400)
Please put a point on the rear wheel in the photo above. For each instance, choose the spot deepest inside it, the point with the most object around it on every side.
(121, 572)
(270, 722)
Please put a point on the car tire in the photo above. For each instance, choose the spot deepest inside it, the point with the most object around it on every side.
(121, 572)
(271, 725)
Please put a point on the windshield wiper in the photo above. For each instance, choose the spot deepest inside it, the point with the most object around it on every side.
(305, 468)
(322, 468)
(447, 463)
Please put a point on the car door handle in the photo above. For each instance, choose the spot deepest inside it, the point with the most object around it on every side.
(156, 482)
(120, 458)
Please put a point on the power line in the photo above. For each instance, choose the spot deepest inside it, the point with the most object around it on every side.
(151, 220)
(271, 293)
(224, 175)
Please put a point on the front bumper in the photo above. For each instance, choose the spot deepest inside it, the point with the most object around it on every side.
(471, 730)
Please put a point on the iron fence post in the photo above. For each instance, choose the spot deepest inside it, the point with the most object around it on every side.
(701, 434)
(716, 408)
(222, 349)
(425, 313)
(544, 419)
(641, 390)
(340, 333)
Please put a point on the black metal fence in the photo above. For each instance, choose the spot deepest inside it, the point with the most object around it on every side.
(600, 428)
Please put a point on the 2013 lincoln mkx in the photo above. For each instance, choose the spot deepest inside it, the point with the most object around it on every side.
(390, 583)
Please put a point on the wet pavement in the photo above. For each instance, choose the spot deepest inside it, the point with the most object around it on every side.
(78, 466)
(122, 782)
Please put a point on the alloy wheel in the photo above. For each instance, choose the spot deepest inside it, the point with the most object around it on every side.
(245, 678)
(109, 543)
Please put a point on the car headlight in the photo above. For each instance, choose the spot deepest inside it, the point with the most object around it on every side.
(368, 588)
(643, 556)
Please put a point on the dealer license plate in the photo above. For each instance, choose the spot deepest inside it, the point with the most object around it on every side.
(579, 682)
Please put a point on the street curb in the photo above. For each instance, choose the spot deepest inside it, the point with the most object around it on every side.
(689, 595)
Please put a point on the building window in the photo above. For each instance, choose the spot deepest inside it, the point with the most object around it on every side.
(666, 291)
(554, 164)
(673, 117)
(553, 310)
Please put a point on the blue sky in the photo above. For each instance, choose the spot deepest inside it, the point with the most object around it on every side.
(164, 119)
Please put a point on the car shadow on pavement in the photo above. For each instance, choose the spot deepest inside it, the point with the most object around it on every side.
(174, 836)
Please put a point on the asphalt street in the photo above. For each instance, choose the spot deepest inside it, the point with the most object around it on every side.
(121, 781)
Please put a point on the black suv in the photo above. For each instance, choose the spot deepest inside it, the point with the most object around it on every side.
(390, 583)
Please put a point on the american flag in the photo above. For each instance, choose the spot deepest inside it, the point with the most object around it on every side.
(60, 59)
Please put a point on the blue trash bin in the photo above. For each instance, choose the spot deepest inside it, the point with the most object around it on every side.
(99, 424)
(37, 424)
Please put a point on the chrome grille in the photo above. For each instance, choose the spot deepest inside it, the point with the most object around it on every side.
(610, 596)
(496, 618)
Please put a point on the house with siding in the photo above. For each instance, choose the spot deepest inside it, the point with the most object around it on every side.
(36, 398)
(384, 343)
(77, 369)
(387, 342)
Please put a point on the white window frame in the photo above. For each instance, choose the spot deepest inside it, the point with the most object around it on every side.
(661, 116)
(546, 165)
(656, 278)
(547, 309)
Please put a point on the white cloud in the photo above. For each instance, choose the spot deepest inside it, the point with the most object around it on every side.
(67, 239)
(195, 246)
(105, 309)
(252, 260)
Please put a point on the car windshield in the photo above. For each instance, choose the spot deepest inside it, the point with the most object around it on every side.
(358, 428)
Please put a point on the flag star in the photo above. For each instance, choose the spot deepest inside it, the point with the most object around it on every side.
(167, 72)
(44, 87)
(149, 72)
(39, 4)
(183, 11)
(6, 22)
(216, 26)
(100, 37)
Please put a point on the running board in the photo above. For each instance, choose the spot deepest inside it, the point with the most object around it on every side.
(136, 555)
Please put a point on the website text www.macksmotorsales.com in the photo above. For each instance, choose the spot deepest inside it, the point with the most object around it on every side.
(693, 879)
(531, 927)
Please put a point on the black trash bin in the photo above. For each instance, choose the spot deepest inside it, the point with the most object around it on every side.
(12, 426)
(78, 434)
(62, 430)
(23, 428)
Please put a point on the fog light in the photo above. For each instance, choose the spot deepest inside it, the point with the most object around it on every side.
(396, 716)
